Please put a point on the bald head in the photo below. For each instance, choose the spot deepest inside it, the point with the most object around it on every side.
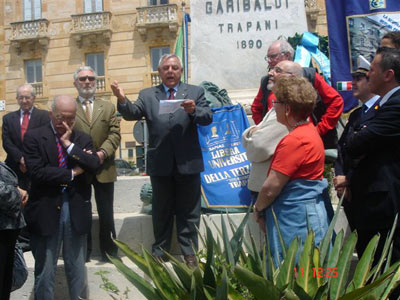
(283, 69)
(63, 110)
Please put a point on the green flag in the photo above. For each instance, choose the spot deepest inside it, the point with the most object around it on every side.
(179, 51)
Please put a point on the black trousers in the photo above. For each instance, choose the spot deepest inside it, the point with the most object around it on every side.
(8, 239)
(177, 195)
(365, 235)
(104, 195)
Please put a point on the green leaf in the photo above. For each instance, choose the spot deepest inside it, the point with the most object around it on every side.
(193, 290)
(338, 284)
(317, 264)
(278, 229)
(379, 291)
(137, 280)
(286, 271)
(237, 238)
(160, 278)
(327, 240)
(254, 260)
(289, 294)
(222, 288)
(322, 292)
(133, 256)
(227, 246)
(364, 265)
(362, 292)
(269, 260)
(300, 292)
(385, 249)
(334, 255)
(209, 277)
(257, 285)
(307, 282)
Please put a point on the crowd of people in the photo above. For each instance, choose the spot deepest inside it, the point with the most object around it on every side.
(54, 158)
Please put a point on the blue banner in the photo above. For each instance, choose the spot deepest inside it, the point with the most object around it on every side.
(224, 180)
(355, 28)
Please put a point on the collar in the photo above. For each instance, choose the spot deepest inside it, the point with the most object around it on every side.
(386, 97)
(21, 112)
(371, 102)
(166, 89)
(82, 100)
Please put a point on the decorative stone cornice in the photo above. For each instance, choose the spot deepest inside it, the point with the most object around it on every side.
(31, 32)
(157, 17)
(97, 25)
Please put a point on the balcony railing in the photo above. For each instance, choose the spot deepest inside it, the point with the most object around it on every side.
(38, 88)
(97, 21)
(28, 30)
(155, 79)
(157, 16)
(101, 84)
(94, 24)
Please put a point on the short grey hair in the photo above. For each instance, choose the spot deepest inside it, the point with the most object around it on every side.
(84, 68)
(26, 85)
(285, 47)
(57, 99)
(296, 69)
(168, 56)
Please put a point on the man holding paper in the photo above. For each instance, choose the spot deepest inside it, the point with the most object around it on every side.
(174, 159)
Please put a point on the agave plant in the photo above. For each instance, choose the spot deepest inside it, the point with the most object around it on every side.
(233, 268)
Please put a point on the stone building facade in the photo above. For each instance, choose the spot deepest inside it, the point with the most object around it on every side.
(43, 41)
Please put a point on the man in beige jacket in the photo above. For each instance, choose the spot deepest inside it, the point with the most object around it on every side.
(98, 118)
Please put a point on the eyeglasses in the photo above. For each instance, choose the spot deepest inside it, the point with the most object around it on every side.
(25, 97)
(90, 78)
(281, 71)
(272, 56)
(277, 101)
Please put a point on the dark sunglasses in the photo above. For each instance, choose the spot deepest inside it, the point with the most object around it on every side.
(90, 78)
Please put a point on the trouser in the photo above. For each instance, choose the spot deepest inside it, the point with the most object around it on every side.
(8, 238)
(104, 195)
(46, 250)
(177, 195)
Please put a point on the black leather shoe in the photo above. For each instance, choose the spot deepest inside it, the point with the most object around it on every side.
(191, 261)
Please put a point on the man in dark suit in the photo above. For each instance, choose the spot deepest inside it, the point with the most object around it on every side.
(174, 159)
(59, 210)
(98, 118)
(360, 116)
(376, 146)
(15, 125)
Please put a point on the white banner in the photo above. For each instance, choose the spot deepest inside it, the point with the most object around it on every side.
(229, 38)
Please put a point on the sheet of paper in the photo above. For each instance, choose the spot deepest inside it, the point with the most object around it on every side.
(170, 106)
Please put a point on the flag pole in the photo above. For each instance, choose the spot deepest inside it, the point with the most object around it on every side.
(185, 59)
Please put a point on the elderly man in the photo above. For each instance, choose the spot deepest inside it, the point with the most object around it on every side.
(98, 118)
(330, 104)
(58, 212)
(361, 115)
(174, 159)
(375, 185)
(15, 125)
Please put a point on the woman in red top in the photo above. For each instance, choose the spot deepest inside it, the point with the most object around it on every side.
(294, 189)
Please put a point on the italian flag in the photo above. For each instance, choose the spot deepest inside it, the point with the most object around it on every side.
(343, 86)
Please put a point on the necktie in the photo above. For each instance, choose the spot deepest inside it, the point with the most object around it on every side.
(88, 110)
(171, 94)
(25, 123)
(62, 159)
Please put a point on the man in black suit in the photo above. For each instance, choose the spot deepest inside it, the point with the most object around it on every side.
(15, 125)
(174, 159)
(360, 116)
(59, 210)
(376, 146)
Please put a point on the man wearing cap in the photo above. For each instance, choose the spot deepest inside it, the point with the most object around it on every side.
(357, 119)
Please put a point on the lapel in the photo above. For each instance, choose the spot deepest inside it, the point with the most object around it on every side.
(80, 113)
(50, 145)
(182, 91)
(160, 93)
(97, 110)
(16, 124)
